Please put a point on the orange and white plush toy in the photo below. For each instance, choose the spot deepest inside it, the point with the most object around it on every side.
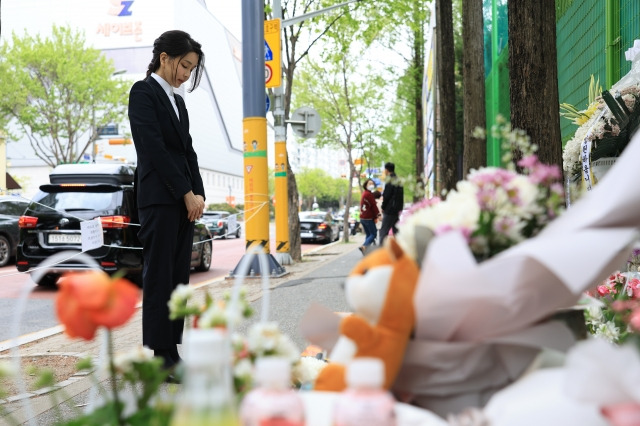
(380, 291)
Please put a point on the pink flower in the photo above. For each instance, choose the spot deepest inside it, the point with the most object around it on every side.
(634, 319)
(623, 414)
(603, 290)
(557, 188)
(529, 162)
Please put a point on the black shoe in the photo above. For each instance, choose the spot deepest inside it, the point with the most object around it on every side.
(168, 363)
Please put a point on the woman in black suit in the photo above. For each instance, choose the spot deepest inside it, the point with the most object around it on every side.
(170, 193)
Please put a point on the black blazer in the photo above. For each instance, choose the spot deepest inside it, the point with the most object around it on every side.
(167, 164)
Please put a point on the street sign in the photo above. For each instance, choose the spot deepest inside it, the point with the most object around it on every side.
(268, 103)
(272, 61)
(305, 122)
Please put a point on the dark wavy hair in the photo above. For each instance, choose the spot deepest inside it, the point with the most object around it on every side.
(177, 44)
(364, 185)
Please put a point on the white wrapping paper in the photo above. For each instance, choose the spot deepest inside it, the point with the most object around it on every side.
(479, 325)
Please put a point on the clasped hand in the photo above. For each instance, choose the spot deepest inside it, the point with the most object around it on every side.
(195, 205)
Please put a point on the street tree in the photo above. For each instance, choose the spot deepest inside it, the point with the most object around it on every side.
(398, 27)
(474, 149)
(58, 92)
(297, 41)
(533, 75)
(349, 98)
(317, 185)
(447, 94)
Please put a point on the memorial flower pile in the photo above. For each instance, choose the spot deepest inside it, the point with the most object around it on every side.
(494, 208)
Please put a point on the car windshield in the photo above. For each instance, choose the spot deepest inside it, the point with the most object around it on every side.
(75, 201)
(12, 207)
(206, 215)
(313, 215)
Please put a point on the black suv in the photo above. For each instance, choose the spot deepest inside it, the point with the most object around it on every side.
(11, 207)
(80, 192)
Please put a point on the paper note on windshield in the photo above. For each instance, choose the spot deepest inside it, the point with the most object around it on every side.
(91, 231)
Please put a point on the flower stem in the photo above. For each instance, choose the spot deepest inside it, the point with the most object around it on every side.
(114, 387)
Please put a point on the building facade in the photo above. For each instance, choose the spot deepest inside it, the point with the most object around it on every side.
(124, 31)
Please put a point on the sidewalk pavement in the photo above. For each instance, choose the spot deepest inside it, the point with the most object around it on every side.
(129, 336)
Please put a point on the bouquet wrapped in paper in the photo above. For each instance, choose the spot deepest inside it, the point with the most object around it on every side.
(480, 325)
(492, 276)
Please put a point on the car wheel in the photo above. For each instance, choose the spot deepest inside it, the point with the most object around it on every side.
(205, 258)
(238, 232)
(48, 280)
(5, 250)
(223, 235)
(329, 238)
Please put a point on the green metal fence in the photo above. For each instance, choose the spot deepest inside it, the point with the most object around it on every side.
(581, 42)
(629, 30)
(592, 37)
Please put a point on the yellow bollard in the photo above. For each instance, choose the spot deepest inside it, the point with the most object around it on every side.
(256, 191)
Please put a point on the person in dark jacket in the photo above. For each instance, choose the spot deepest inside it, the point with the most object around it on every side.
(392, 202)
(368, 214)
(169, 189)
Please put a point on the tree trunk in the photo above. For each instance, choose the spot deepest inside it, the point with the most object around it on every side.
(295, 250)
(294, 221)
(533, 75)
(474, 153)
(446, 145)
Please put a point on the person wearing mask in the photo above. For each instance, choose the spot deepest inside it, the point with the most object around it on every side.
(368, 214)
(169, 189)
(392, 202)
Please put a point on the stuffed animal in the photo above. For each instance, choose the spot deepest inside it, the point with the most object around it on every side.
(380, 291)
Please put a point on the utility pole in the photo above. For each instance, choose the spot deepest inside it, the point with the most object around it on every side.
(254, 137)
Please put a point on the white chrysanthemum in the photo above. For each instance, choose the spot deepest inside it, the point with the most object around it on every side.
(307, 369)
(265, 339)
(571, 162)
(459, 211)
(214, 316)
(608, 331)
(123, 361)
(527, 194)
(179, 297)
(243, 369)
(594, 314)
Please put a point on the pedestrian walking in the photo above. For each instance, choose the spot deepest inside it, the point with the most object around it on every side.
(368, 214)
(392, 202)
(169, 190)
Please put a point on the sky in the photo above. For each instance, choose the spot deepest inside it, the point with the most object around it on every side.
(229, 13)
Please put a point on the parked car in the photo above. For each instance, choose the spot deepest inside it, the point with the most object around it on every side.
(79, 192)
(221, 223)
(11, 208)
(318, 226)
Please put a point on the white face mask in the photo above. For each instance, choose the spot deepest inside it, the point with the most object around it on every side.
(371, 187)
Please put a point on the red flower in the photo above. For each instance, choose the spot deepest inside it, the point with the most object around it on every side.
(87, 300)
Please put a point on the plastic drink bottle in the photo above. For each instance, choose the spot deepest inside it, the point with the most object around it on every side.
(273, 402)
(208, 397)
(365, 402)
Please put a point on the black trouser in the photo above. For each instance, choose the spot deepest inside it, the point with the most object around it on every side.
(389, 221)
(167, 237)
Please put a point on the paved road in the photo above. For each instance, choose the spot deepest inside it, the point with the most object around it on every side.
(38, 309)
(324, 285)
